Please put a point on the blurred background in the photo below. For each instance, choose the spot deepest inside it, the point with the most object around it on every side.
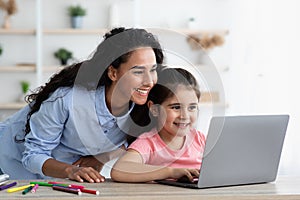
(247, 64)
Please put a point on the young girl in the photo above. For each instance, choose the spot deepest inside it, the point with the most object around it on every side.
(174, 148)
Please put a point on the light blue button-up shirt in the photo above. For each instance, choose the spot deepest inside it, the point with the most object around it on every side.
(62, 129)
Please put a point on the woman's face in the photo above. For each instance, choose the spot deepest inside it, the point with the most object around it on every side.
(134, 79)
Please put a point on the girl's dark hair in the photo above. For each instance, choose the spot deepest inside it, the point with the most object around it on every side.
(168, 80)
(115, 49)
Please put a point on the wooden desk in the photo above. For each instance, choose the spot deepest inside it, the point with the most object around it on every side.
(282, 188)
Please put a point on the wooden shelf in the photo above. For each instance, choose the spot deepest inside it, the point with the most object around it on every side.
(104, 30)
(200, 32)
(17, 31)
(190, 31)
(17, 106)
(12, 106)
(17, 68)
(74, 31)
(52, 68)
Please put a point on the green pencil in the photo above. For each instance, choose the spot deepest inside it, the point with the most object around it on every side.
(42, 184)
(27, 190)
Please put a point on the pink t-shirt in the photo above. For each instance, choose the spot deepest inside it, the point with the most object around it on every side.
(155, 152)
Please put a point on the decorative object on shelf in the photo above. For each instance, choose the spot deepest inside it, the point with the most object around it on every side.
(114, 19)
(10, 6)
(205, 42)
(76, 13)
(191, 24)
(25, 89)
(63, 55)
(1, 50)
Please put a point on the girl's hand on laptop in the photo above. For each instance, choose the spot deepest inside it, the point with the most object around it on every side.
(179, 173)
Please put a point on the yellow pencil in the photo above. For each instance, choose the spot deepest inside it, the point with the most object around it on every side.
(19, 188)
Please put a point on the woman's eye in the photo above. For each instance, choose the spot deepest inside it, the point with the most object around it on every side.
(138, 72)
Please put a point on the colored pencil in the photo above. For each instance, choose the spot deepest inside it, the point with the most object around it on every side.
(3, 187)
(4, 177)
(35, 187)
(41, 183)
(66, 185)
(18, 188)
(27, 190)
(65, 189)
(76, 186)
(3, 182)
(54, 182)
(96, 192)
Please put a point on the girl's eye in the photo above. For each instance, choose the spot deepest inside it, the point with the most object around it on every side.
(193, 108)
(153, 69)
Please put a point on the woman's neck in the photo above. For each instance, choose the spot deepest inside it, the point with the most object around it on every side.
(116, 107)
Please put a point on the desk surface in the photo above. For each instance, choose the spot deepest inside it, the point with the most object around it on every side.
(282, 188)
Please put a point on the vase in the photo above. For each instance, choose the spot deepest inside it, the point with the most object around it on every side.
(63, 62)
(76, 22)
(6, 22)
(114, 20)
(192, 24)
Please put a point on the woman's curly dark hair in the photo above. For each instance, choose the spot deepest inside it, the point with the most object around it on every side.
(115, 49)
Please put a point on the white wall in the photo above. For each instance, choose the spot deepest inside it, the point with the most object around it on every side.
(260, 50)
(264, 74)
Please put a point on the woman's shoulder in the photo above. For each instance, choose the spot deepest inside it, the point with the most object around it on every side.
(61, 98)
(60, 93)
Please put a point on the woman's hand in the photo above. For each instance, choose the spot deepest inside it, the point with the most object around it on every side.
(58, 169)
(89, 161)
(82, 174)
(184, 173)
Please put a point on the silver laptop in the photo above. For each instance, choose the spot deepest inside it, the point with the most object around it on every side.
(240, 150)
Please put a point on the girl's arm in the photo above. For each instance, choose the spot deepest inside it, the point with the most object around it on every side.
(130, 168)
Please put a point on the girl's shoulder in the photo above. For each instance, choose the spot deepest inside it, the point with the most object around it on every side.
(148, 135)
(198, 136)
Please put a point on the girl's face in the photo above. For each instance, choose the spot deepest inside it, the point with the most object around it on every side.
(178, 114)
(134, 79)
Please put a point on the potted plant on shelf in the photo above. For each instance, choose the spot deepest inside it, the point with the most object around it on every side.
(25, 88)
(63, 55)
(1, 50)
(76, 13)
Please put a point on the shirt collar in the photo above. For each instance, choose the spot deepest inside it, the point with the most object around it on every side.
(102, 110)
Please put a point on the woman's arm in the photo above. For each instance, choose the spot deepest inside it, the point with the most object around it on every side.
(47, 127)
(130, 168)
(54, 168)
(99, 160)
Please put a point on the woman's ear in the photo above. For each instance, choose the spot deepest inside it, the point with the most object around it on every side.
(153, 108)
(112, 73)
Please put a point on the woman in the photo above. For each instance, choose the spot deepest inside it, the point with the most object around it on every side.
(82, 111)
